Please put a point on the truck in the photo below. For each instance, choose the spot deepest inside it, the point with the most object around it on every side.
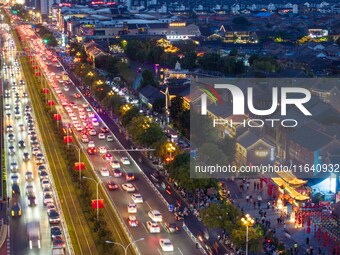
(33, 234)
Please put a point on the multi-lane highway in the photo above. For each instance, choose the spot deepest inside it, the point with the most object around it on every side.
(75, 106)
(22, 165)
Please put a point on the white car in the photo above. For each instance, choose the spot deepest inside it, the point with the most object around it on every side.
(90, 114)
(166, 245)
(132, 208)
(109, 138)
(95, 122)
(137, 198)
(66, 88)
(85, 139)
(102, 150)
(104, 172)
(129, 187)
(45, 183)
(79, 127)
(50, 207)
(93, 132)
(7, 106)
(155, 216)
(125, 161)
(48, 199)
(101, 136)
(91, 144)
(115, 164)
(153, 227)
(29, 176)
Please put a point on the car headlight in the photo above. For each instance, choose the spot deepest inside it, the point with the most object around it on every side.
(12, 213)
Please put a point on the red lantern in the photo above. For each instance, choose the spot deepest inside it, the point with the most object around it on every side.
(50, 102)
(325, 239)
(57, 116)
(79, 166)
(99, 204)
(67, 139)
(308, 230)
(37, 74)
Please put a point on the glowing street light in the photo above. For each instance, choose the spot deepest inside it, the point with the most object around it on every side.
(170, 148)
(125, 247)
(248, 222)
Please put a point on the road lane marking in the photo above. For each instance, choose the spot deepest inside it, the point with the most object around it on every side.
(180, 251)
(159, 251)
(145, 228)
(148, 205)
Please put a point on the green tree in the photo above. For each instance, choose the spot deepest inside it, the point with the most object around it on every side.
(233, 53)
(126, 117)
(225, 216)
(158, 105)
(148, 79)
(238, 237)
(189, 60)
(108, 64)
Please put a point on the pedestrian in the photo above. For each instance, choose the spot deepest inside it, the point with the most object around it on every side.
(268, 205)
(254, 185)
(311, 250)
(291, 250)
(319, 251)
(268, 223)
(265, 214)
(296, 248)
(254, 204)
(258, 186)
(307, 240)
(248, 183)
(1, 205)
(247, 198)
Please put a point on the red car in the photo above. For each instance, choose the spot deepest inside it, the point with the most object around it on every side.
(76, 95)
(104, 129)
(91, 151)
(107, 156)
(129, 177)
(112, 185)
(58, 242)
(117, 173)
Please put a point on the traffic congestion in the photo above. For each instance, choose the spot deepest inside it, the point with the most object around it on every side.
(143, 213)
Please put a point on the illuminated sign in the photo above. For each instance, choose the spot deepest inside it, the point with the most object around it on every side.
(177, 24)
(87, 26)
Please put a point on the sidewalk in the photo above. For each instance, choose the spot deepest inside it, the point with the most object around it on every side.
(295, 235)
(4, 225)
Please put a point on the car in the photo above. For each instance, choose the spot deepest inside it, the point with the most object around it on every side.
(91, 144)
(41, 168)
(102, 150)
(91, 151)
(11, 150)
(111, 185)
(104, 129)
(49, 207)
(132, 221)
(15, 189)
(109, 138)
(35, 150)
(14, 178)
(47, 190)
(31, 199)
(90, 114)
(58, 242)
(45, 183)
(21, 127)
(153, 227)
(29, 188)
(14, 167)
(117, 173)
(93, 132)
(129, 177)
(155, 216)
(125, 161)
(24, 94)
(78, 127)
(9, 128)
(29, 176)
(171, 227)
(11, 138)
(47, 198)
(85, 139)
(43, 175)
(53, 216)
(76, 95)
(16, 210)
(95, 122)
(7, 106)
(128, 187)
(166, 245)
(101, 136)
(137, 198)
(107, 156)
(66, 88)
(21, 144)
(115, 164)
(132, 208)
(104, 172)
(55, 231)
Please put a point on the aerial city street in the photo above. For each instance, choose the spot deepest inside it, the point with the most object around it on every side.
(124, 130)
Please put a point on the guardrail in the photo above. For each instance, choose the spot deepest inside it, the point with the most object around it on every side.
(58, 204)
(194, 239)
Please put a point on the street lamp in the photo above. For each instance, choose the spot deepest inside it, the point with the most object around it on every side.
(97, 185)
(99, 82)
(125, 247)
(78, 148)
(170, 148)
(247, 221)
